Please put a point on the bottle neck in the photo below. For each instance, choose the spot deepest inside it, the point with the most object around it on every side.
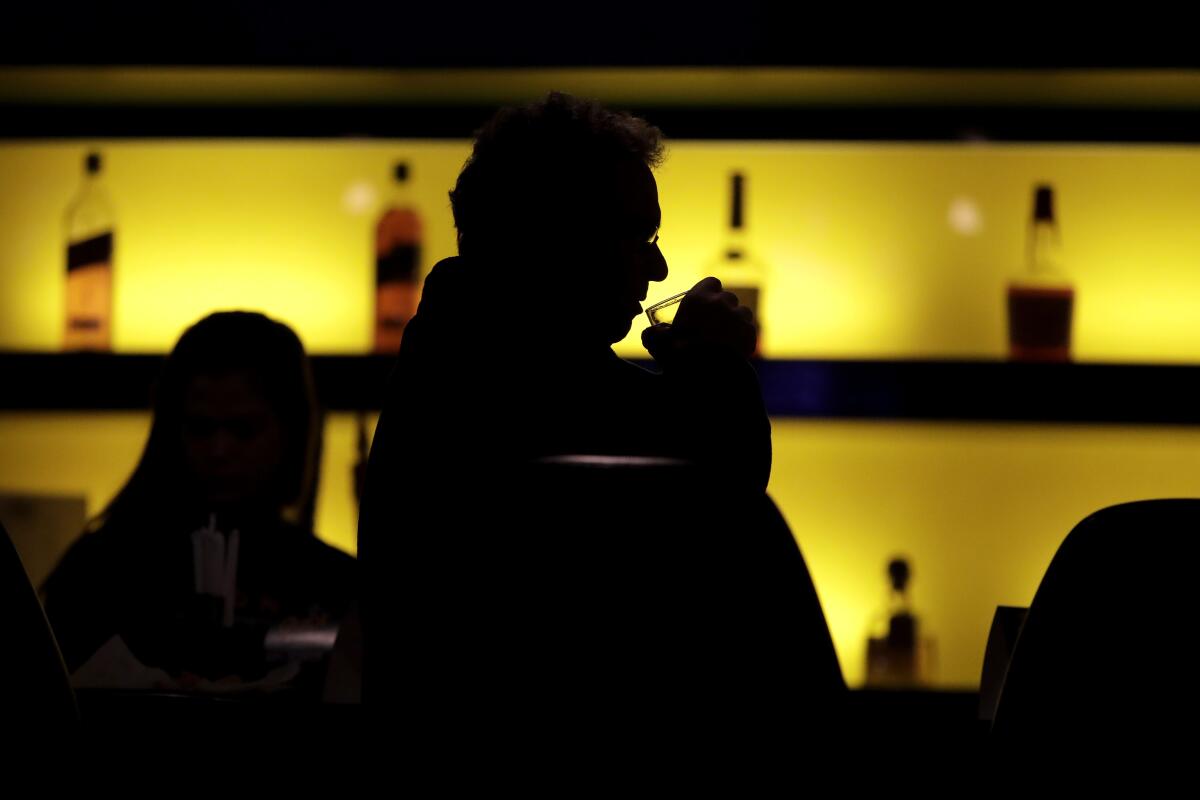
(398, 195)
(735, 219)
(92, 184)
(89, 212)
(1044, 257)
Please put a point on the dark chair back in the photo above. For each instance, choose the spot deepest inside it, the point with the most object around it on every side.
(588, 590)
(1107, 648)
(35, 692)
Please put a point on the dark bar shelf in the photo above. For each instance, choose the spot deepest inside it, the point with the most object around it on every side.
(120, 382)
(1144, 101)
(984, 390)
(842, 389)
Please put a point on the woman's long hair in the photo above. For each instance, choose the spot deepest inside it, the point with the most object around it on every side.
(271, 355)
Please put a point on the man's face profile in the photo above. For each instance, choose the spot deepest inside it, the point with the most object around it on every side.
(619, 256)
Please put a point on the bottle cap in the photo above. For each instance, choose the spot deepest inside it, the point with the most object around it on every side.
(1043, 203)
(899, 573)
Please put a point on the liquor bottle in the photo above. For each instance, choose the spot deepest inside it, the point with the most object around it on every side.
(898, 655)
(397, 265)
(1041, 303)
(90, 226)
(737, 267)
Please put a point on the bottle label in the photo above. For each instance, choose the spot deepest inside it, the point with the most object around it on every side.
(746, 296)
(399, 264)
(89, 294)
(397, 275)
(97, 250)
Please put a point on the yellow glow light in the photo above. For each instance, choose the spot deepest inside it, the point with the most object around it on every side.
(979, 508)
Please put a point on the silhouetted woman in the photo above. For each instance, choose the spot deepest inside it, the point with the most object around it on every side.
(232, 448)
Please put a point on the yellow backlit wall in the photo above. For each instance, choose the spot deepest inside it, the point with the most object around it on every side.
(280, 227)
(875, 250)
(980, 509)
(92, 454)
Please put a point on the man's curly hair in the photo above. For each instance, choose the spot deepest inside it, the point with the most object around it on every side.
(534, 165)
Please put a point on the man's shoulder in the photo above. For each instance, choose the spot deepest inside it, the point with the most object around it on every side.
(444, 271)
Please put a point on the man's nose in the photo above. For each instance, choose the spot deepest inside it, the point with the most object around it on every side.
(655, 264)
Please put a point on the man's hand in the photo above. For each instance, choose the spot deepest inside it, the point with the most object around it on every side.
(708, 319)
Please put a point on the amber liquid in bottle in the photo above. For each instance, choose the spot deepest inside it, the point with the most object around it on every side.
(89, 299)
(397, 268)
(1041, 305)
(739, 271)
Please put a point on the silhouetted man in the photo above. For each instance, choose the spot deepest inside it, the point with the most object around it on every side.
(509, 360)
